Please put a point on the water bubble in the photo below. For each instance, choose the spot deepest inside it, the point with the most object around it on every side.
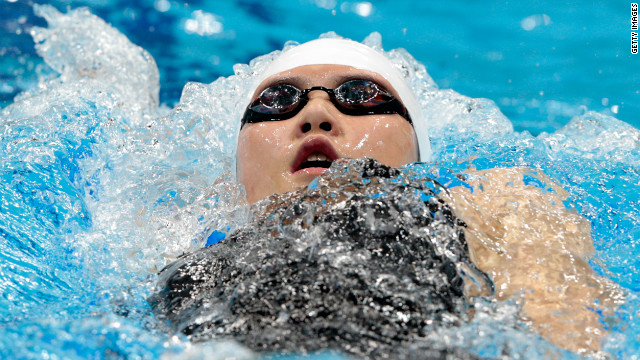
(531, 22)
(203, 24)
(162, 5)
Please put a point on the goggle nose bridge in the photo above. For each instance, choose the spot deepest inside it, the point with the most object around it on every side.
(304, 94)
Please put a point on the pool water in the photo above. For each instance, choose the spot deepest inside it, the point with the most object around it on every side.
(104, 184)
(542, 62)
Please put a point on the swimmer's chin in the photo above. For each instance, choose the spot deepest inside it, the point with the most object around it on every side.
(303, 177)
(312, 172)
(320, 176)
(300, 180)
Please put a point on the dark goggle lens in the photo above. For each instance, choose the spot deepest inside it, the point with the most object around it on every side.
(277, 99)
(359, 93)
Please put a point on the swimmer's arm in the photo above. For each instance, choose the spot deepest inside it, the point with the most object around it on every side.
(533, 247)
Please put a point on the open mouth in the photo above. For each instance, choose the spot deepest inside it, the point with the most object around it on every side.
(316, 159)
(315, 155)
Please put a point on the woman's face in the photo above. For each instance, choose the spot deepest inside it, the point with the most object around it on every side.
(281, 156)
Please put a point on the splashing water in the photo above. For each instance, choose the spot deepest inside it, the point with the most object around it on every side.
(357, 262)
(102, 188)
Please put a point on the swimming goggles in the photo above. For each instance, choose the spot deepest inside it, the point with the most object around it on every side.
(353, 97)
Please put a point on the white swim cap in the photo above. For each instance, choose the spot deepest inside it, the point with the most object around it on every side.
(351, 53)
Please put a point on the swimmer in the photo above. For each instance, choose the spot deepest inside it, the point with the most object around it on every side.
(324, 100)
(335, 98)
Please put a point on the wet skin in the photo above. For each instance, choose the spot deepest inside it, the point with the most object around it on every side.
(271, 153)
(527, 250)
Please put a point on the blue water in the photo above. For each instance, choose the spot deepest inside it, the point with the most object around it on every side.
(100, 190)
(542, 62)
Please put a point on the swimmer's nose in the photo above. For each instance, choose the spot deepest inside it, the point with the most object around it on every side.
(318, 115)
